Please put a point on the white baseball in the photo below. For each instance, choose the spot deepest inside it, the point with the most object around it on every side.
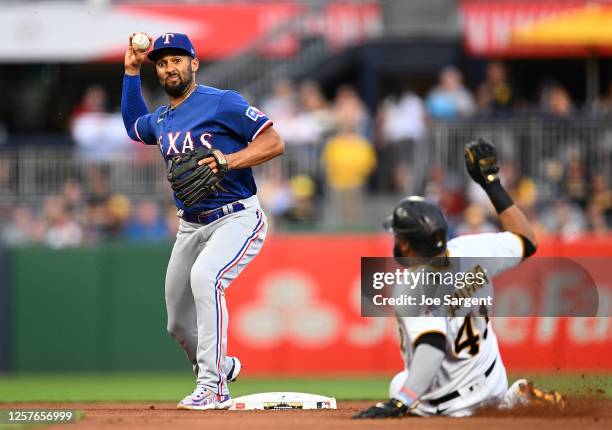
(141, 41)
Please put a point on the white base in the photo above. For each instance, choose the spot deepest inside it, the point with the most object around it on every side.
(282, 401)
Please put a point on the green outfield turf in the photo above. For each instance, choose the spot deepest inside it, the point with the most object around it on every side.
(171, 387)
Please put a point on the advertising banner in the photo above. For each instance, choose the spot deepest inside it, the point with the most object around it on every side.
(37, 31)
(543, 29)
(297, 309)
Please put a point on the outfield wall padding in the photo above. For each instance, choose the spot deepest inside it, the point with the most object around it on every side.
(96, 308)
(295, 310)
(5, 309)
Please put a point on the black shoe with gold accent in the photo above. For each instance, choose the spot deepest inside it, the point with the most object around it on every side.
(392, 409)
(536, 397)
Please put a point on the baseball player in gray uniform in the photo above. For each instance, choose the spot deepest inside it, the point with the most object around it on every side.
(218, 234)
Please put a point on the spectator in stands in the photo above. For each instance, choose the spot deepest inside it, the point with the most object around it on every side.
(282, 100)
(557, 102)
(304, 120)
(450, 99)
(99, 135)
(348, 159)
(303, 209)
(601, 198)
(147, 224)
(274, 192)
(495, 96)
(552, 184)
(475, 222)
(445, 189)
(314, 120)
(596, 217)
(94, 101)
(403, 118)
(521, 188)
(23, 228)
(600, 192)
(118, 209)
(349, 112)
(97, 198)
(604, 104)
(402, 126)
(61, 230)
(281, 106)
(563, 218)
(576, 182)
(72, 194)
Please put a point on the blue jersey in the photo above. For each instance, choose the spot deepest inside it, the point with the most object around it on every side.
(210, 117)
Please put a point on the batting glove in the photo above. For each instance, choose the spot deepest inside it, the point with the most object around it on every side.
(481, 162)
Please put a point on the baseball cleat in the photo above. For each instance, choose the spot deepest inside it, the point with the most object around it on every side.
(203, 399)
(232, 375)
(224, 401)
(528, 394)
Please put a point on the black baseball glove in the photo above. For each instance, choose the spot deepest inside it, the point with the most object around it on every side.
(481, 162)
(392, 409)
(191, 182)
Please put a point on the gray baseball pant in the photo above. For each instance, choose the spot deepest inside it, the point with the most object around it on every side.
(205, 260)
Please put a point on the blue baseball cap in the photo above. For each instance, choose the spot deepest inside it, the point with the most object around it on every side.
(171, 41)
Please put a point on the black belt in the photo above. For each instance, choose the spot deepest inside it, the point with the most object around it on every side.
(213, 215)
(455, 394)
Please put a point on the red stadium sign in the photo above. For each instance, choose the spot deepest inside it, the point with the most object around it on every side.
(45, 31)
(221, 30)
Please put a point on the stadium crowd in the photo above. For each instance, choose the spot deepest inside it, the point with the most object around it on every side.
(75, 217)
(351, 155)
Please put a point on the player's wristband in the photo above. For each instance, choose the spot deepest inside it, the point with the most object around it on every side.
(406, 396)
(498, 196)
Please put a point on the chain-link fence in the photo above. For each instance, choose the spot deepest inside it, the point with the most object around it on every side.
(537, 148)
(540, 149)
(32, 173)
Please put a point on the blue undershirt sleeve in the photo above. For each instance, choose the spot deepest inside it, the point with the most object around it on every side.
(134, 111)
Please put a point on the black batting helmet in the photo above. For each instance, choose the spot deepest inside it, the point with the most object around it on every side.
(422, 223)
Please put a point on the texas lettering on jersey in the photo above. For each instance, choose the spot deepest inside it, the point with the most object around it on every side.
(182, 143)
(213, 118)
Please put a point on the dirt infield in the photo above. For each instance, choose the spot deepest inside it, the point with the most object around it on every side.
(579, 414)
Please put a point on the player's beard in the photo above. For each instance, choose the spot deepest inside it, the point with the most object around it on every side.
(178, 88)
(399, 256)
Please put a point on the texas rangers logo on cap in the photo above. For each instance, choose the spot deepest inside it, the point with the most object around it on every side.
(178, 41)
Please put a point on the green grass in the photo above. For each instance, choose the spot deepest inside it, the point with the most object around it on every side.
(171, 387)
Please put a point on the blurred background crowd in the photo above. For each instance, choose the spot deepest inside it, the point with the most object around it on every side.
(357, 141)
